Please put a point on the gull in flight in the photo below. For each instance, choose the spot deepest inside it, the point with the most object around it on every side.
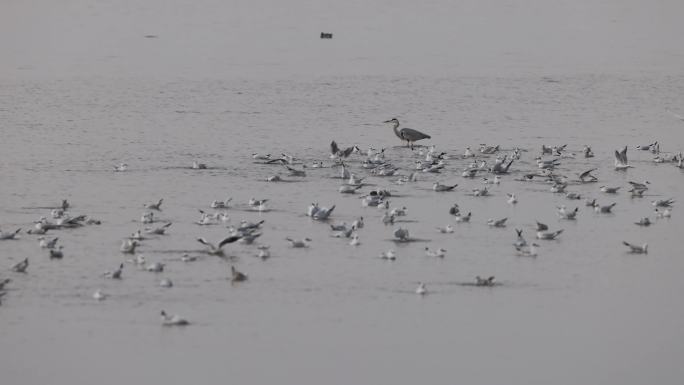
(586, 176)
(621, 162)
(218, 250)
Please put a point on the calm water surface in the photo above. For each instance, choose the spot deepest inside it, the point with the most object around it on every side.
(82, 89)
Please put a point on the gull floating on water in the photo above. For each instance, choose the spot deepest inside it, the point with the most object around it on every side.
(389, 255)
(549, 235)
(116, 274)
(56, 253)
(257, 156)
(158, 230)
(446, 229)
(564, 213)
(497, 222)
(636, 249)
(511, 199)
(401, 234)
(264, 252)
(355, 240)
(121, 167)
(236, 276)
(147, 217)
(461, 219)
(128, 246)
(99, 295)
(609, 190)
(643, 222)
(663, 202)
(21, 266)
(174, 320)
(442, 187)
(666, 213)
(358, 223)
(587, 176)
(323, 213)
(198, 166)
(527, 251)
(439, 253)
(45, 244)
(480, 192)
(479, 281)
(9, 236)
(604, 209)
(156, 267)
(348, 189)
(4, 282)
(154, 205)
(421, 289)
(298, 243)
(216, 204)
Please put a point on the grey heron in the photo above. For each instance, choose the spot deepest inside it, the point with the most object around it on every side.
(408, 134)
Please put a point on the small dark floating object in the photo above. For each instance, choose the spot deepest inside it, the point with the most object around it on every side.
(151, 36)
(326, 35)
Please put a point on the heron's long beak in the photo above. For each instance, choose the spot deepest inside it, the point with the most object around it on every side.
(388, 121)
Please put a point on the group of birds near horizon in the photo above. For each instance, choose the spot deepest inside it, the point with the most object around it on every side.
(492, 164)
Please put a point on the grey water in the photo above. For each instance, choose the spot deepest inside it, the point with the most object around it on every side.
(86, 85)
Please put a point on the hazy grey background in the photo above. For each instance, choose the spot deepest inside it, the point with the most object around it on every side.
(82, 88)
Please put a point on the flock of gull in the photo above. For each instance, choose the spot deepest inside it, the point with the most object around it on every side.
(353, 168)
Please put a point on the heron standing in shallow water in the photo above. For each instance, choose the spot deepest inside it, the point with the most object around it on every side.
(408, 134)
